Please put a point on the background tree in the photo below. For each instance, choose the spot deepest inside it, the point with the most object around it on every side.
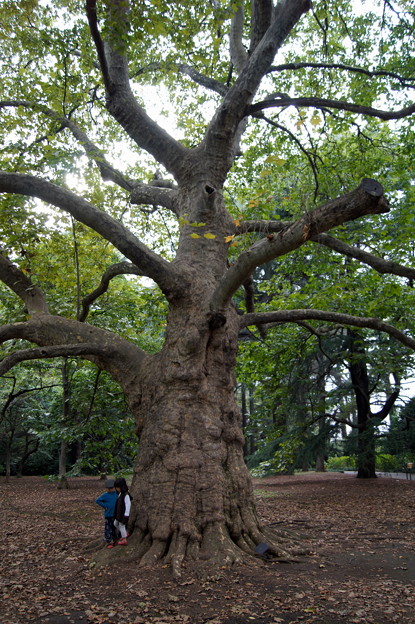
(192, 493)
(21, 395)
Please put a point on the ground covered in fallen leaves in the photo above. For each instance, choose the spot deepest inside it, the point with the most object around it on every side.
(360, 570)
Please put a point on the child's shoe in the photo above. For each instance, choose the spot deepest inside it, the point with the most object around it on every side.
(122, 542)
(111, 545)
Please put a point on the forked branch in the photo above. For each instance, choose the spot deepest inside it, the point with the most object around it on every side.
(224, 125)
(121, 268)
(58, 337)
(121, 102)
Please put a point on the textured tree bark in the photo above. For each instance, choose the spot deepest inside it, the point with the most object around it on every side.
(192, 493)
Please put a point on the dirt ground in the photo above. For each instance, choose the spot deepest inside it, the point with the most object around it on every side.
(360, 570)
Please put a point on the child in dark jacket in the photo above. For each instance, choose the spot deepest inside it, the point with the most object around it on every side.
(122, 510)
(108, 501)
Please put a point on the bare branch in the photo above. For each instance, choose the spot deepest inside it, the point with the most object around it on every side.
(108, 351)
(293, 316)
(379, 264)
(151, 264)
(333, 104)
(22, 286)
(91, 12)
(405, 81)
(108, 172)
(202, 80)
(188, 70)
(366, 199)
(122, 268)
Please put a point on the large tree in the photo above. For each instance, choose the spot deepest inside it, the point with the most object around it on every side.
(193, 497)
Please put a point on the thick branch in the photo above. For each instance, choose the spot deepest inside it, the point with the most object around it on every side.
(334, 104)
(91, 12)
(202, 80)
(260, 22)
(108, 172)
(66, 336)
(366, 199)
(155, 195)
(22, 286)
(83, 349)
(293, 316)
(112, 230)
(121, 102)
(224, 126)
(389, 403)
(379, 264)
(237, 50)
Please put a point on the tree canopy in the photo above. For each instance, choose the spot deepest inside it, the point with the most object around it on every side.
(205, 148)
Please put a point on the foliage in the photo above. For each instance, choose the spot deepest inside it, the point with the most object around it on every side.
(207, 148)
(346, 462)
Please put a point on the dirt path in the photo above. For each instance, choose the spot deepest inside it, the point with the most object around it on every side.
(361, 567)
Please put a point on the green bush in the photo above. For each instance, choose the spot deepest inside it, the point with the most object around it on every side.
(386, 463)
(337, 464)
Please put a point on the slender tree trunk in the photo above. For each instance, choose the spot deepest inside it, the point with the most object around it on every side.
(366, 451)
(63, 451)
(321, 388)
(31, 446)
(8, 460)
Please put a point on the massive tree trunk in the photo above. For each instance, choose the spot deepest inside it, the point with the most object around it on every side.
(192, 493)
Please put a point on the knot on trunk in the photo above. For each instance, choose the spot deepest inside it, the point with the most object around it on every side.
(216, 320)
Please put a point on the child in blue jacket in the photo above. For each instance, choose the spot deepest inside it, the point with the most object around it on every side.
(108, 501)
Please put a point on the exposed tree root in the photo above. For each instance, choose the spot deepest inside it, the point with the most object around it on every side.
(214, 551)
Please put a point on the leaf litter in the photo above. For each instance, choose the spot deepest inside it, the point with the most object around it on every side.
(360, 568)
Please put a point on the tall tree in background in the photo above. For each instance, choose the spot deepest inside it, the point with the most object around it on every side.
(192, 493)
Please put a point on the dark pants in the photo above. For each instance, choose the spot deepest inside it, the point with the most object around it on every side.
(109, 530)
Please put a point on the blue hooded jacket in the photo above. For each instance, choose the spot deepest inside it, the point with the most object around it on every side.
(107, 501)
